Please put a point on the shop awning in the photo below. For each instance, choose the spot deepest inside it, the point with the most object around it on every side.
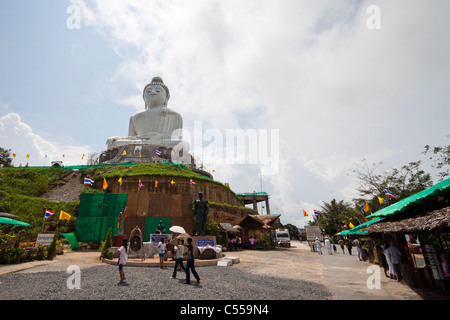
(14, 222)
(357, 229)
(414, 200)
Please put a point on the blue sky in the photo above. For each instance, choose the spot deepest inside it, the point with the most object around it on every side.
(335, 90)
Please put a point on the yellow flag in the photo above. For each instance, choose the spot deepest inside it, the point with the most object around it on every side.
(304, 213)
(380, 200)
(156, 184)
(64, 216)
(28, 156)
(14, 155)
(140, 155)
(172, 182)
(105, 185)
(124, 153)
(351, 225)
(120, 180)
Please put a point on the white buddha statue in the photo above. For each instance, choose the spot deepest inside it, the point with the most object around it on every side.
(157, 124)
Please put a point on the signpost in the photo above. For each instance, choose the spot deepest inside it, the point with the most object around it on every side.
(313, 232)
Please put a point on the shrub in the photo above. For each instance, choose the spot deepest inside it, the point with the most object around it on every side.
(106, 245)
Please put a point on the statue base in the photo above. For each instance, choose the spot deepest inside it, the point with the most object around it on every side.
(145, 153)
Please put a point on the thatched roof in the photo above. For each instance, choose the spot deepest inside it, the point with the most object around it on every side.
(8, 215)
(269, 221)
(434, 220)
(228, 227)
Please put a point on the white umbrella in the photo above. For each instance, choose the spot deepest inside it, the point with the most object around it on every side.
(177, 229)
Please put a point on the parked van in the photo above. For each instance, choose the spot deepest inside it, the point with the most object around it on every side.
(281, 237)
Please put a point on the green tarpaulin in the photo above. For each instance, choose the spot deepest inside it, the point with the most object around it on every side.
(414, 200)
(72, 240)
(14, 222)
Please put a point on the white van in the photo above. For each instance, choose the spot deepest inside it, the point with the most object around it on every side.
(281, 237)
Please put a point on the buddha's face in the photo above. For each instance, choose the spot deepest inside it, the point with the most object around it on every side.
(155, 96)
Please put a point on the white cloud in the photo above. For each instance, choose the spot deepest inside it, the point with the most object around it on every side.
(337, 91)
(20, 138)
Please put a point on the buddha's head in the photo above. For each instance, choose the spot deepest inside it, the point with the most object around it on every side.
(156, 94)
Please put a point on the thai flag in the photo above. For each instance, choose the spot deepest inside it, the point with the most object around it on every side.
(158, 152)
(1, 155)
(388, 194)
(316, 213)
(104, 153)
(141, 185)
(88, 181)
(48, 213)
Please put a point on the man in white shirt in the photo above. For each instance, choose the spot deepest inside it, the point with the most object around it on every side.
(179, 251)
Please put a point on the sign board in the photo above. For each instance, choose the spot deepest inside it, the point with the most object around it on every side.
(313, 232)
(44, 239)
(204, 243)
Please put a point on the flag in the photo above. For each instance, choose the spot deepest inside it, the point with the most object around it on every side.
(124, 153)
(192, 182)
(388, 194)
(105, 184)
(120, 180)
(156, 184)
(64, 216)
(83, 156)
(141, 185)
(351, 225)
(48, 213)
(172, 182)
(380, 200)
(14, 155)
(158, 152)
(1, 155)
(366, 207)
(304, 213)
(104, 153)
(316, 213)
(88, 181)
(28, 156)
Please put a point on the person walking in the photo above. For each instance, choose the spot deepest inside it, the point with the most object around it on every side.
(190, 263)
(385, 248)
(318, 246)
(123, 257)
(341, 243)
(395, 255)
(349, 247)
(161, 252)
(179, 251)
(358, 248)
(328, 246)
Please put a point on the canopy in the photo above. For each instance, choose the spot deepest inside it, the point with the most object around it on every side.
(14, 222)
(414, 200)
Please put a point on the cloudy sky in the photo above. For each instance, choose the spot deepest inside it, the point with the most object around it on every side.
(317, 85)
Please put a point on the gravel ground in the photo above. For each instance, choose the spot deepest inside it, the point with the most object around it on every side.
(269, 275)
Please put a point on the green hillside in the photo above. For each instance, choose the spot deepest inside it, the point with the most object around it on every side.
(22, 189)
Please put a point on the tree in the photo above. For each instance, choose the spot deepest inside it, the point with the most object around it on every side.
(293, 230)
(334, 215)
(441, 159)
(6, 158)
(403, 182)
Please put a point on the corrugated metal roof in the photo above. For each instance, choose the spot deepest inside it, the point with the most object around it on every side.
(416, 199)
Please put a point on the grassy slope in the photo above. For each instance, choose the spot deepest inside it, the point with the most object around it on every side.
(21, 188)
